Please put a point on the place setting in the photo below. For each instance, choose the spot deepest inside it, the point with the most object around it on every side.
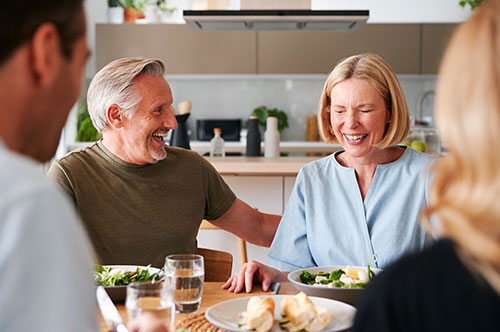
(179, 296)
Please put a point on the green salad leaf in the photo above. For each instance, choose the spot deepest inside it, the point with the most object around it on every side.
(335, 275)
(109, 277)
(306, 278)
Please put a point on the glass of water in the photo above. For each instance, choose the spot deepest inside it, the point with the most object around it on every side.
(185, 273)
(155, 298)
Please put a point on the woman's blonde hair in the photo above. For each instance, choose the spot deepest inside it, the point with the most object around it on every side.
(465, 195)
(377, 72)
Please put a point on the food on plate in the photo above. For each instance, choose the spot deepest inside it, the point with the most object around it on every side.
(259, 315)
(109, 276)
(299, 313)
(347, 277)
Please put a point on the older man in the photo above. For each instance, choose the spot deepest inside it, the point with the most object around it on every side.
(139, 199)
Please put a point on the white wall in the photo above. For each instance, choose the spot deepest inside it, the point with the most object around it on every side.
(401, 11)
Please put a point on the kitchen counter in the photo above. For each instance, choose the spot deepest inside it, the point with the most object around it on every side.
(237, 146)
(285, 146)
(282, 166)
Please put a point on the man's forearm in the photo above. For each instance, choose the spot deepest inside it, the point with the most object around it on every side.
(263, 234)
(249, 224)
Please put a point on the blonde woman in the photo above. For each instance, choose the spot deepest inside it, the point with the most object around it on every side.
(455, 284)
(358, 202)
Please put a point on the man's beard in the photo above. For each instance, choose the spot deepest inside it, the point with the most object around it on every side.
(158, 155)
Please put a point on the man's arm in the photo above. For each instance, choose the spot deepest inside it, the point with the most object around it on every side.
(249, 224)
(57, 173)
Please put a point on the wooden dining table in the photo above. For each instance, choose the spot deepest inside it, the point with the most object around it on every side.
(212, 294)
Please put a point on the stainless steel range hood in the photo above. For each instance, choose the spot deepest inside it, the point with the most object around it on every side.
(276, 19)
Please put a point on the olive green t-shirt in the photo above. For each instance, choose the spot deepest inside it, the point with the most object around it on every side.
(138, 214)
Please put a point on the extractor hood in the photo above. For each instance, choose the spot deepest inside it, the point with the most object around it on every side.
(276, 19)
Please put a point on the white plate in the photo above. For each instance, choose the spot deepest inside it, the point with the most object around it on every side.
(347, 295)
(226, 315)
(118, 293)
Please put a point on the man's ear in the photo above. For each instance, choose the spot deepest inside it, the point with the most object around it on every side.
(114, 116)
(46, 54)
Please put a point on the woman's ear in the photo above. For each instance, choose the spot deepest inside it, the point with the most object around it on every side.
(114, 116)
(46, 54)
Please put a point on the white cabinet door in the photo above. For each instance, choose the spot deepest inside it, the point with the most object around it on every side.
(260, 192)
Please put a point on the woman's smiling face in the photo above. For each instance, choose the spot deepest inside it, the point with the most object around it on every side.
(358, 117)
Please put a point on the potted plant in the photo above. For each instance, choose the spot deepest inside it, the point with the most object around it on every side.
(132, 10)
(85, 130)
(262, 112)
(170, 12)
(472, 3)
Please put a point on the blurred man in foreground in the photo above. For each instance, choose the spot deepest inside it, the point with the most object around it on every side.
(45, 257)
(139, 199)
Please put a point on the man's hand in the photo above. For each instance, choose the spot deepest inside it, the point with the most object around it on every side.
(147, 322)
(250, 272)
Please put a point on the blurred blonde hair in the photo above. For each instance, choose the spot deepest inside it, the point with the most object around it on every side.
(466, 191)
(377, 72)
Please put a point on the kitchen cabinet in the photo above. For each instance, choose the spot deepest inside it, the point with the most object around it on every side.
(434, 40)
(264, 193)
(409, 48)
(302, 52)
(182, 49)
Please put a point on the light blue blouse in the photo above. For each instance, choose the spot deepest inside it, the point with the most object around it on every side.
(326, 222)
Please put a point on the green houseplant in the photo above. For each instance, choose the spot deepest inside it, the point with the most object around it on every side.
(85, 130)
(262, 112)
(472, 3)
(132, 10)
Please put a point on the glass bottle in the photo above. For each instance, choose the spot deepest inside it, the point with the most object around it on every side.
(272, 138)
(253, 137)
(217, 144)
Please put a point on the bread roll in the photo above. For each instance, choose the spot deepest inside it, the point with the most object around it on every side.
(302, 313)
(260, 314)
(298, 309)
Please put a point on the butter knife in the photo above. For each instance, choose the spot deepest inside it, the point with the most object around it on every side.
(109, 311)
(276, 288)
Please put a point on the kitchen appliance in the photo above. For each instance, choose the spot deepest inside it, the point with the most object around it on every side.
(276, 19)
(179, 135)
(109, 311)
(230, 129)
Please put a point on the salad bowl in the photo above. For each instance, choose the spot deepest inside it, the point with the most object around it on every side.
(347, 295)
(115, 278)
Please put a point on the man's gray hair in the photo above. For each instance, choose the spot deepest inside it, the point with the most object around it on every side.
(113, 84)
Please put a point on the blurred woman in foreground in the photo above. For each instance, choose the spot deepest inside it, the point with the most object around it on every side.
(362, 200)
(455, 284)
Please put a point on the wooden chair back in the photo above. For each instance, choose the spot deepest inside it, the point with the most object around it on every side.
(218, 264)
(242, 245)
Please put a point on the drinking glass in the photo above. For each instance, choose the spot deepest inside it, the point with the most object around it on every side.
(155, 298)
(185, 273)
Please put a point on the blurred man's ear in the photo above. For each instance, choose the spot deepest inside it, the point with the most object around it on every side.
(46, 54)
(114, 116)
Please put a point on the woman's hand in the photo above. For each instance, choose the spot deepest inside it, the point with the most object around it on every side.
(147, 322)
(250, 272)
